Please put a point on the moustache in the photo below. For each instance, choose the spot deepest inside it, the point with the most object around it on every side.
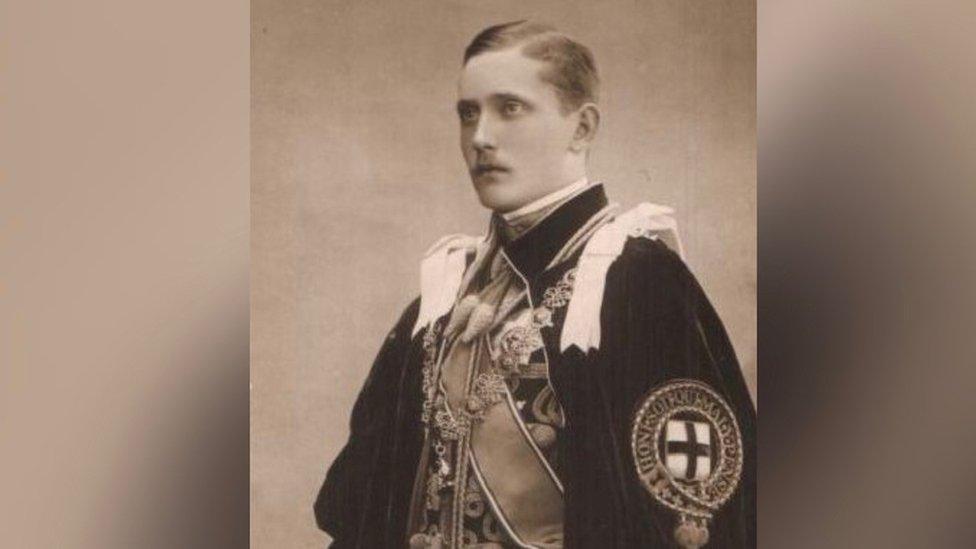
(485, 167)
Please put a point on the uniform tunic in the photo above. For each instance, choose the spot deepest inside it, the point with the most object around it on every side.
(576, 406)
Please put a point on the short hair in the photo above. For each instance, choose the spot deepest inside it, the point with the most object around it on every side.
(572, 67)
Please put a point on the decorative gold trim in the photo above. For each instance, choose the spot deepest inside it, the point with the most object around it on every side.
(493, 503)
(695, 501)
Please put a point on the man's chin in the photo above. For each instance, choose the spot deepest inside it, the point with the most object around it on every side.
(494, 197)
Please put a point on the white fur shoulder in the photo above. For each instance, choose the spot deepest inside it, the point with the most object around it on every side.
(582, 326)
(441, 272)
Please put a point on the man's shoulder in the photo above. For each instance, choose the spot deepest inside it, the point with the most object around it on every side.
(453, 243)
(649, 271)
(441, 272)
(648, 256)
(620, 262)
(645, 237)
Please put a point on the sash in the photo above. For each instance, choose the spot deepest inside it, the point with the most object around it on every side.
(516, 479)
(514, 476)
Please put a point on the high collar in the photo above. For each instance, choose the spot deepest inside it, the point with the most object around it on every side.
(531, 252)
(548, 200)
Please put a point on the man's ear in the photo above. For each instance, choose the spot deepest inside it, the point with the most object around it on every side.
(589, 123)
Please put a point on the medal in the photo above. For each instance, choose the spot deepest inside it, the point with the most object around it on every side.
(687, 449)
(439, 479)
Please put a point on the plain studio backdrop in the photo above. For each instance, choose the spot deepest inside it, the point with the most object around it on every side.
(356, 170)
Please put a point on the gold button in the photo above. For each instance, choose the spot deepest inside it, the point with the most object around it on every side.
(475, 404)
(543, 435)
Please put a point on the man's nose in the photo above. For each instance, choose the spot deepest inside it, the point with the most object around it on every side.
(483, 137)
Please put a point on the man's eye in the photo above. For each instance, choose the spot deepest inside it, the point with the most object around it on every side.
(468, 115)
(512, 107)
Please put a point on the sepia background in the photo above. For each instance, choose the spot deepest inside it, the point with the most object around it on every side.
(124, 279)
(356, 170)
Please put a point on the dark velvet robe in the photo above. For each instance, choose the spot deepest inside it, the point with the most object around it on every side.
(656, 325)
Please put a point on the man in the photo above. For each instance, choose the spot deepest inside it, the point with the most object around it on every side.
(562, 381)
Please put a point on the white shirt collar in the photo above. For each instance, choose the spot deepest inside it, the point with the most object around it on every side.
(548, 199)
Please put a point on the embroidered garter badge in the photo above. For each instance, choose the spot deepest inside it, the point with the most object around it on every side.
(687, 449)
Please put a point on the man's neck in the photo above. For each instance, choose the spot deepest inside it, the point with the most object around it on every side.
(517, 222)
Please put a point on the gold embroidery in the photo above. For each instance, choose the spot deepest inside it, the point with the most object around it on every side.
(559, 295)
(429, 386)
(678, 425)
(517, 345)
(450, 429)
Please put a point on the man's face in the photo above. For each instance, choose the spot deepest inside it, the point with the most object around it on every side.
(514, 138)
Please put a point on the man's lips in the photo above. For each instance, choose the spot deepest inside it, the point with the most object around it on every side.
(482, 169)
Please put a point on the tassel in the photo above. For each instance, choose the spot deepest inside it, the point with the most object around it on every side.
(461, 315)
(691, 535)
(543, 435)
(479, 322)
